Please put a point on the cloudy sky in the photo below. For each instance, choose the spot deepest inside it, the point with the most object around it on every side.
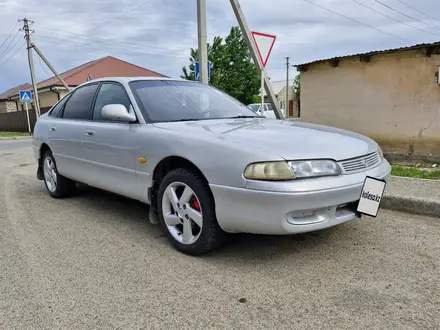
(157, 34)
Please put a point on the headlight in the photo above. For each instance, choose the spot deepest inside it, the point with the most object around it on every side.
(379, 149)
(278, 171)
(271, 171)
(315, 168)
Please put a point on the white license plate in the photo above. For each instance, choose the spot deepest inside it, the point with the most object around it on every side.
(371, 196)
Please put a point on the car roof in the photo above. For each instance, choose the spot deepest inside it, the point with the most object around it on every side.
(128, 79)
(125, 80)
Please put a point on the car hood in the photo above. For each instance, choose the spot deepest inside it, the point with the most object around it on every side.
(289, 139)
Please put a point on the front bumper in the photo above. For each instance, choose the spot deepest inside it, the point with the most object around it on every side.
(280, 213)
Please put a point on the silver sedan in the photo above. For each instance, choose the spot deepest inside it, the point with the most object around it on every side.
(204, 162)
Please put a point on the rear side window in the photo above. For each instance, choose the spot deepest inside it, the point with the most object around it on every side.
(59, 107)
(79, 104)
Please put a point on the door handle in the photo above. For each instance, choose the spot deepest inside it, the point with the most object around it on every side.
(90, 132)
(52, 128)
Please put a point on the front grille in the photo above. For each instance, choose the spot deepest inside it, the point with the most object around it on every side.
(360, 164)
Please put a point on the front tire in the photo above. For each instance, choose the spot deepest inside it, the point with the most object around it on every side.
(57, 185)
(186, 212)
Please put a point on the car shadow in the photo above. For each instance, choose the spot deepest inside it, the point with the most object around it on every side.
(264, 248)
(242, 248)
(126, 210)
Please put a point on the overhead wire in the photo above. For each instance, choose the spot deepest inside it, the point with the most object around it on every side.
(394, 19)
(6, 50)
(140, 51)
(408, 16)
(86, 38)
(97, 27)
(419, 11)
(41, 65)
(355, 20)
(119, 16)
(1, 64)
(9, 35)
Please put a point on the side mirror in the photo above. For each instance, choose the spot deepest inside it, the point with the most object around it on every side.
(117, 112)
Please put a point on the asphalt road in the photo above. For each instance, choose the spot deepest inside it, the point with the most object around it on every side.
(95, 262)
(14, 144)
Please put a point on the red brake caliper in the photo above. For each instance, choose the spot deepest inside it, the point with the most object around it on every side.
(194, 203)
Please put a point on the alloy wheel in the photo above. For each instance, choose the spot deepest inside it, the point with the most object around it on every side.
(182, 213)
(50, 175)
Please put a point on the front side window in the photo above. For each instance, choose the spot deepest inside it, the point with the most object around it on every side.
(110, 93)
(168, 100)
(79, 104)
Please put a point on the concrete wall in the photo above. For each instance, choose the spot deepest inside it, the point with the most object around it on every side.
(282, 97)
(7, 106)
(48, 98)
(394, 99)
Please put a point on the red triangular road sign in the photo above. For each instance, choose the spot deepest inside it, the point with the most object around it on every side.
(264, 43)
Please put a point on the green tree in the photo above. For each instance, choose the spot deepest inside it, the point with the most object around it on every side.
(215, 54)
(233, 69)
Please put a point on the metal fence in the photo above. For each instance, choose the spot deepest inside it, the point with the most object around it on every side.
(17, 121)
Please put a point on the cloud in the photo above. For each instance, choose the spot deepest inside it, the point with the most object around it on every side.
(157, 34)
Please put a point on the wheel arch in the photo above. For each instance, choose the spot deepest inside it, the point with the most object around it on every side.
(43, 148)
(166, 165)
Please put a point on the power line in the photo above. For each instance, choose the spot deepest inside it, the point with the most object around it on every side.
(112, 48)
(97, 26)
(108, 48)
(86, 38)
(355, 20)
(408, 16)
(9, 35)
(419, 11)
(6, 49)
(394, 19)
(119, 16)
(44, 69)
(12, 54)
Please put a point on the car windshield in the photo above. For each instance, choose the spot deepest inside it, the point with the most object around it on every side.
(168, 100)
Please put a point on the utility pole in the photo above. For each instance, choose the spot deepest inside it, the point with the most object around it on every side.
(31, 65)
(248, 38)
(287, 87)
(50, 66)
(203, 47)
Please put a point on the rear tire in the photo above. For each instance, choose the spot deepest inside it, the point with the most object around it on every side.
(57, 185)
(186, 211)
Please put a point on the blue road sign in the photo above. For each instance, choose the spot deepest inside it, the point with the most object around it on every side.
(197, 70)
(26, 96)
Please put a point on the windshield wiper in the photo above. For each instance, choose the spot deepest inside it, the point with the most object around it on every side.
(188, 119)
(238, 117)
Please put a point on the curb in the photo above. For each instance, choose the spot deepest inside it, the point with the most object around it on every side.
(15, 138)
(418, 206)
(414, 179)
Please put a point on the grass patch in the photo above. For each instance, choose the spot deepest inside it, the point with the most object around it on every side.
(12, 134)
(413, 172)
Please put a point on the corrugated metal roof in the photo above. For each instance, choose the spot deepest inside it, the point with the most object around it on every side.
(375, 52)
